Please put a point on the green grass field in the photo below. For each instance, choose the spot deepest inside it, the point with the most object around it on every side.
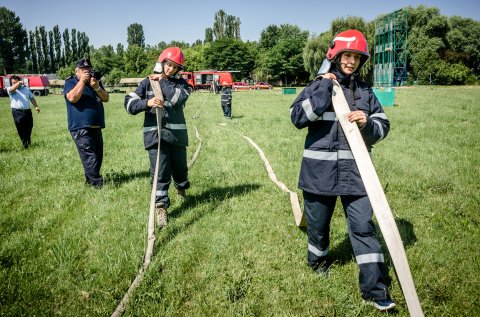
(231, 248)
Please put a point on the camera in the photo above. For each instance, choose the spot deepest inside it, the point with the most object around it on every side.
(96, 74)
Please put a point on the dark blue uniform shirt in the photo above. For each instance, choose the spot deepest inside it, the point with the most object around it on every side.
(87, 111)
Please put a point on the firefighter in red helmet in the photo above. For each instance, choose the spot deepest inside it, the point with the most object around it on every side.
(328, 169)
(351, 41)
(174, 137)
(167, 57)
(226, 100)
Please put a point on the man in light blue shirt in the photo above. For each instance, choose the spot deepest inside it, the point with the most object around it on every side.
(20, 98)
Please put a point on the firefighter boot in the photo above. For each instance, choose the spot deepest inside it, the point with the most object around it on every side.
(322, 268)
(182, 193)
(161, 215)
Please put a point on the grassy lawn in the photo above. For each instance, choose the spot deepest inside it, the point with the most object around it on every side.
(231, 248)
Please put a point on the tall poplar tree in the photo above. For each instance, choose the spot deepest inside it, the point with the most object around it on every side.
(38, 49)
(226, 26)
(59, 62)
(13, 42)
(44, 47)
(33, 53)
(230, 22)
(67, 50)
(74, 45)
(85, 45)
(81, 49)
(135, 35)
(120, 50)
(219, 25)
(51, 51)
(236, 28)
(208, 35)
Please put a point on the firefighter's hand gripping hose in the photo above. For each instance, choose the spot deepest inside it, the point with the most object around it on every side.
(151, 217)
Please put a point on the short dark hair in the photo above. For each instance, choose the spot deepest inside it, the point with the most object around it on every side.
(17, 78)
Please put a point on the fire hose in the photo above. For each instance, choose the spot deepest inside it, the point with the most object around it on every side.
(151, 218)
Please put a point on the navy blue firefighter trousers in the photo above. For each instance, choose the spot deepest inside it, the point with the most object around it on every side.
(367, 250)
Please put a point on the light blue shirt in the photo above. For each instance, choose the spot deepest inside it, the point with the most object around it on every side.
(20, 98)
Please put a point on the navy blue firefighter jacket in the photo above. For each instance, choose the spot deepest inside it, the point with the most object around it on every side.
(226, 97)
(174, 128)
(328, 167)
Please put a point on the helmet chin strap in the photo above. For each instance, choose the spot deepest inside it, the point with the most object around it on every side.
(325, 68)
(158, 69)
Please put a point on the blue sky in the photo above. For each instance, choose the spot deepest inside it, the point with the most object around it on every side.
(106, 22)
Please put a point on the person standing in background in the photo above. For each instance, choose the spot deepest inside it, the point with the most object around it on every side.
(84, 96)
(20, 98)
(226, 101)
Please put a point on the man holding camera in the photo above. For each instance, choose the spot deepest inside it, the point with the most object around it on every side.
(20, 98)
(84, 96)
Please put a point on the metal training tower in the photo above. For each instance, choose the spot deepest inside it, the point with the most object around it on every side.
(390, 51)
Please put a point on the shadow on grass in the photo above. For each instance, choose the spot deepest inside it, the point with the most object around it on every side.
(343, 253)
(407, 234)
(13, 147)
(214, 196)
(118, 178)
(10, 148)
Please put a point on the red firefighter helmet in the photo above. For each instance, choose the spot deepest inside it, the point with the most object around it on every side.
(173, 54)
(351, 40)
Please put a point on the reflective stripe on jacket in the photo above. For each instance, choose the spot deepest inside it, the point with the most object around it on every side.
(328, 166)
(226, 97)
(174, 128)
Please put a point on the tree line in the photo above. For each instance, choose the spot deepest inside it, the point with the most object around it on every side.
(38, 51)
(441, 50)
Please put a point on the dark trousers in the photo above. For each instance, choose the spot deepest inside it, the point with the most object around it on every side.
(227, 110)
(89, 144)
(24, 123)
(368, 253)
(173, 164)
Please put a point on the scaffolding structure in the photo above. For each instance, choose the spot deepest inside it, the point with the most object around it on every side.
(390, 51)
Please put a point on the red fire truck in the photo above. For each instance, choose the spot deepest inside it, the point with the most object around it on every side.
(2, 88)
(38, 84)
(188, 76)
(206, 79)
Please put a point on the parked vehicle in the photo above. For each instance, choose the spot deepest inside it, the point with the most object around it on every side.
(241, 86)
(262, 85)
(188, 76)
(3, 90)
(206, 79)
(38, 84)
